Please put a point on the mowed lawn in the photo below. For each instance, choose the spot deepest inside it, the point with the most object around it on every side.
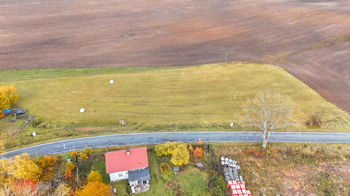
(164, 98)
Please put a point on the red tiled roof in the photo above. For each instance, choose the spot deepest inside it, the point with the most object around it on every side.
(118, 161)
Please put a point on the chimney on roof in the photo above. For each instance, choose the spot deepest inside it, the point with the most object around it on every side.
(128, 152)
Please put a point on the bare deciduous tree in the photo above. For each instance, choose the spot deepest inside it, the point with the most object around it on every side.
(268, 111)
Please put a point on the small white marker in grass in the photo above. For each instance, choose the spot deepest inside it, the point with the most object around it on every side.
(231, 124)
(122, 122)
(111, 81)
(82, 110)
(34, 134)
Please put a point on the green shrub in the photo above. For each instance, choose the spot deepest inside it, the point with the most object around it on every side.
(219, 186)
(128, 189)
(314, 121)
(44, 125)
(164, 168)
(217, 191)
(37, 121)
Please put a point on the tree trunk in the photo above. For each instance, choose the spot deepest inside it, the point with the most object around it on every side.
(265, 139)
(77, 168)
(78, 177)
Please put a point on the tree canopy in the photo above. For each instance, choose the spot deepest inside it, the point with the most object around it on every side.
(19, 168)
(8, 96)
(178, 151)
(268, 111)
(94, 176)
(47, 165)
(180, 155)
(94, 189)
(166, 148)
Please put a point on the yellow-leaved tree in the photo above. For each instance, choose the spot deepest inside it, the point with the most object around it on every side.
(165, 149)
(94, 189)
(94, 176)
(180, 155)
(23, 167)
(178, 151)
(6, 178)
(47, 165)
(8, 96)
(19, 168)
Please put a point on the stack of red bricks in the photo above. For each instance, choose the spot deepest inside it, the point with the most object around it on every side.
(238, 188)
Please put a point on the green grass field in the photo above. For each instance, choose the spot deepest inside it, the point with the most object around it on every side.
(197, 95)
(205, 97)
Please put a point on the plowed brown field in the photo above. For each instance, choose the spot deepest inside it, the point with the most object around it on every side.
(310, 38)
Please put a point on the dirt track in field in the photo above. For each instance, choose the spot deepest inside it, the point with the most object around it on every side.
(310, 38)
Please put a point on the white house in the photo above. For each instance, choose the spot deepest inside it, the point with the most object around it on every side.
(131, 164)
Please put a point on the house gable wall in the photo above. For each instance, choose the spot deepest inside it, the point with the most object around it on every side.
(116, 176)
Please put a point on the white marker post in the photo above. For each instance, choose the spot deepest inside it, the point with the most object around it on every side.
(64, 150)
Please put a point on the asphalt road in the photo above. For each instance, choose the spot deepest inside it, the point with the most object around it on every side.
(160, 137)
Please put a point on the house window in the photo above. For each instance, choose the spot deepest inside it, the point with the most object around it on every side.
(120, 174)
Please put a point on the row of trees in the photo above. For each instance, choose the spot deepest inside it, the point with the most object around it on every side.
(94, 186)
(81, 179)
(78, 167)
(179, 152)
(22, 167)
(23, 175)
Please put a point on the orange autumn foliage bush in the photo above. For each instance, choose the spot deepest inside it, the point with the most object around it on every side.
(47, 165)
(198, 152)
(74, 154)
(94, 189)
(70, 166)
(67, 174)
